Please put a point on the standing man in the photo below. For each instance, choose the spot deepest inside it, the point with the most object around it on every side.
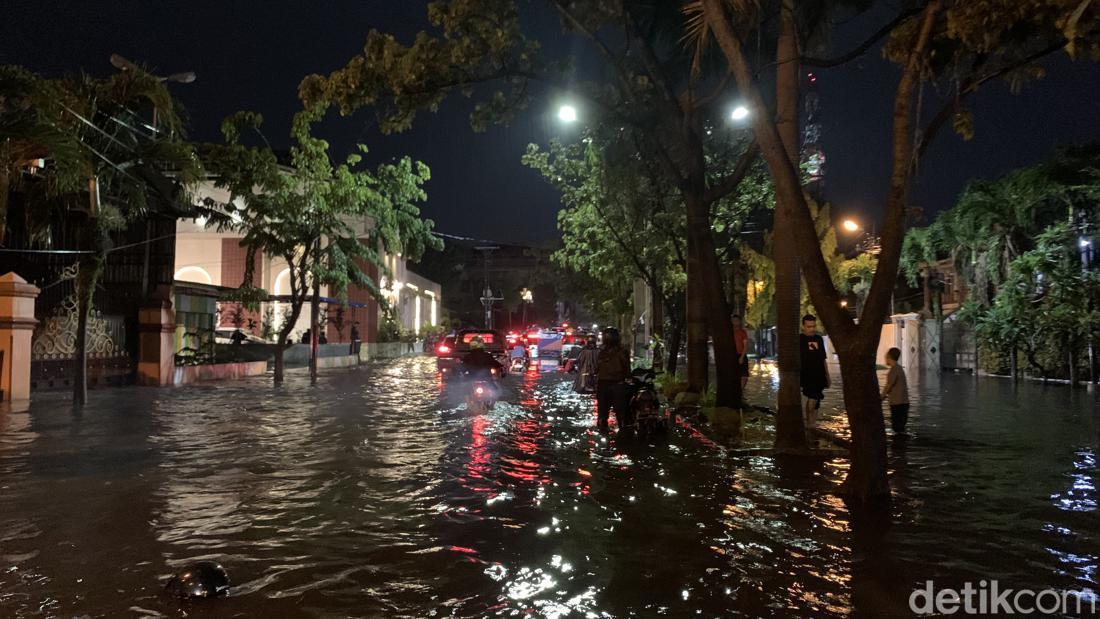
(741, 338)
(612, 370)
(815, 368)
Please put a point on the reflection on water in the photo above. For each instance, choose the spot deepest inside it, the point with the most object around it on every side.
(379, 494)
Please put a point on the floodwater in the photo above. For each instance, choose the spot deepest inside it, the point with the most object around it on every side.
(377, 494)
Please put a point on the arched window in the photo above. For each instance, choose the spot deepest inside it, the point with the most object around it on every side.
(282, 283)
(197, 275)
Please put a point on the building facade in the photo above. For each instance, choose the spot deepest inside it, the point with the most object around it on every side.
(216, 258)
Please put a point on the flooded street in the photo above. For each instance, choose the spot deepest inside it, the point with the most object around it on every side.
(379, 494)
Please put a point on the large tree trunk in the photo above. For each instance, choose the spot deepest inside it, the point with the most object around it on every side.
(284, 333)
(698, 359)
(280, 367)
(866, 478)
(790, 429)
(675, 333)
(716, 308)
(314, 332)
(87, 276)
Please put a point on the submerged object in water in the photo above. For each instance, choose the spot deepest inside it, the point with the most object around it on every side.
(203, 579)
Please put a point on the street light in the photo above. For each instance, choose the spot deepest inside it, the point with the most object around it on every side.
(527, 297)
(850, 225)
(740, 113)
(567, 113)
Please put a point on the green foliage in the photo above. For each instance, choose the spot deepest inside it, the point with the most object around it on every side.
(975, 42)
(389, 330)
(849, 275)
(326, 221)
(477, 41)
(995, 221)
(1046, 303)
(618, 223)
(87, 129)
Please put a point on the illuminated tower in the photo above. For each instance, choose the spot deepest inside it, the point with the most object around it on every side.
(813, 157)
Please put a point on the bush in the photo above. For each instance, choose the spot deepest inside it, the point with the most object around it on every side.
(389, 331)
(687, 398)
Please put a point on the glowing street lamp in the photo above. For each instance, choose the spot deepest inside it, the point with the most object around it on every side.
(850, 225)
(567, 113)
(527, 297)
(739, 113)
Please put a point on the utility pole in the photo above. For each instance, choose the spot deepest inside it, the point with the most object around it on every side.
(487, 298)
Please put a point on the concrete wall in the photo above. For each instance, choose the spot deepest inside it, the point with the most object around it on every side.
(199, 259)
(298, 354)
(188, 374)
(390, 350)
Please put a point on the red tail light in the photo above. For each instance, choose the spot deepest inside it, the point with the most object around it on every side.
(443, 348)
(480, 390)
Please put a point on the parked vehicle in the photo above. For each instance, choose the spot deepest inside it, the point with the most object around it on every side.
(224, 335)
(646, 404)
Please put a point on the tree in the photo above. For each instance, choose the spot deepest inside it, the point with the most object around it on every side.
(618, 225)
(966, 44)
(107, 146)
(1047, 303)
(992, 227)
(849, 275)
(995, 221)
(326, 221)
(656, 94)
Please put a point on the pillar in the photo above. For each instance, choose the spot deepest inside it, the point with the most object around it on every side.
(16, 327)
(156, 343)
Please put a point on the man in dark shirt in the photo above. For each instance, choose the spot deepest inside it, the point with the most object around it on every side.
(815, 368)
(478, 363)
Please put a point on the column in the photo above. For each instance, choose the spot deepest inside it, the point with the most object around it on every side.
(156, 343)
(16, 327)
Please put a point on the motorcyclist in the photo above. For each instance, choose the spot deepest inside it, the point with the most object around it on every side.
(519, 355)
(479, 363)
(612, 374)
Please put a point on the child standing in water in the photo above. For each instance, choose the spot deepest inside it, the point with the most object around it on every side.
(896, 391)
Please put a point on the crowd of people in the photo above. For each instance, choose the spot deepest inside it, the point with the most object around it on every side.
(603, 367)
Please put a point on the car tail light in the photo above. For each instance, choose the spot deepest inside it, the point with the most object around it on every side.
(444, 349)
(480, 390)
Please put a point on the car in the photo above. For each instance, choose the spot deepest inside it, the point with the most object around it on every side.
(224, 335)
(453, 347)
(493, 341)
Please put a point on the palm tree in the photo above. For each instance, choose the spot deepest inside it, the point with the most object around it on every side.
(106, 152)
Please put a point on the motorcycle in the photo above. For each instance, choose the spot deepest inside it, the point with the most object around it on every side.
(650, 420)
(482, 391)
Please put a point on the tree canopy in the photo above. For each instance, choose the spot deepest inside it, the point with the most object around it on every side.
(326, 221)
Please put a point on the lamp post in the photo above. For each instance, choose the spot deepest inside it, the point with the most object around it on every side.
(525, 297)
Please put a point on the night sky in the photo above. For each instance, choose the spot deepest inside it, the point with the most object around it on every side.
(252, 55)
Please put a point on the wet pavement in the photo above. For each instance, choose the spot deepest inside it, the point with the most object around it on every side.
(378, 494)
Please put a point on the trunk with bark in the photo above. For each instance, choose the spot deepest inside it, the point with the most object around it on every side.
(280, 346)
(675, 333)
(314, 332)
(866, 480)
(716, 308)
(790, 428)
(698, 359)
(86, 278)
